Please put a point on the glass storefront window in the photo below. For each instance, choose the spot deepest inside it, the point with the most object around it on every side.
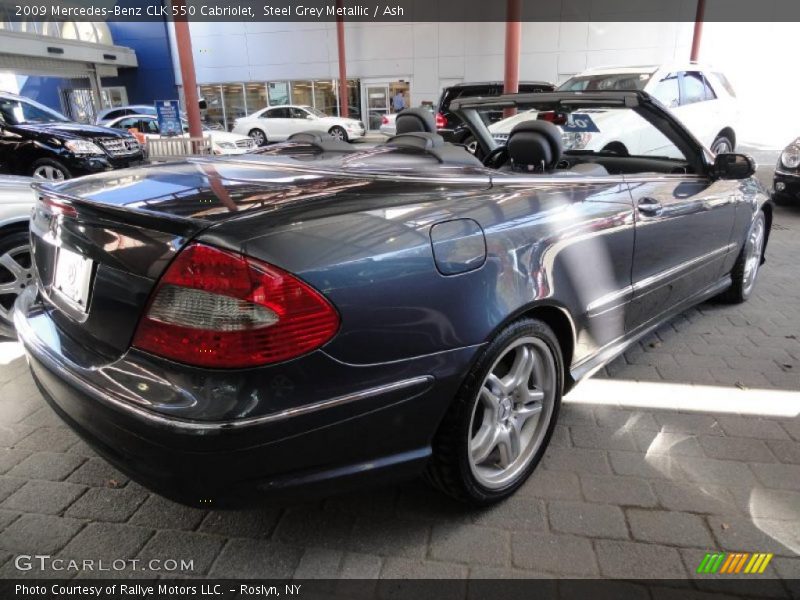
(214, 114)
(233, 96)
(302, 93)
(222, 104)
(256, 96)
(325, 98)
(278, 93)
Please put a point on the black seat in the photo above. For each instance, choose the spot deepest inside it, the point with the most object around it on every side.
(413, 120)
(321, 141)
(535, 146)
(434, 145)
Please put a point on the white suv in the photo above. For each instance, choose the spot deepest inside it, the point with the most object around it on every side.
(700, 97)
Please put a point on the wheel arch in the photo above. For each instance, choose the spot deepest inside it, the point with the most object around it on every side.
(13, 224)
(558, 318)
(728, 133)
(767, 209)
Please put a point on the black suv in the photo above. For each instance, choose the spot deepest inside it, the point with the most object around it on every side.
(38, 141)
(452, 128)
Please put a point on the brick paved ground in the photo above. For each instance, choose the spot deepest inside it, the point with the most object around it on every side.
(644, 489)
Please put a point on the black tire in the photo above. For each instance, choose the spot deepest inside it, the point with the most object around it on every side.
(722, 144)
(743, 287)
(258, 136)
(14, 242)
(450, 469)
(338, 133)
(44, 166)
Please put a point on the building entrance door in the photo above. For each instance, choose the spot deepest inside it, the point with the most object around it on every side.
(381, 98)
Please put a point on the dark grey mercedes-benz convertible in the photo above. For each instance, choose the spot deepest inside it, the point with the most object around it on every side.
(317, 315)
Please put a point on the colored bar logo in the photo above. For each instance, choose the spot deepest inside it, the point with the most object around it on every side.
(731, 563)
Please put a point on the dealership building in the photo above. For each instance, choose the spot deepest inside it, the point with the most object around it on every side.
(241, 67)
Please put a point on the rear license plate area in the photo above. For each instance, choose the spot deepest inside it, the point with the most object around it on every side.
(72, 278)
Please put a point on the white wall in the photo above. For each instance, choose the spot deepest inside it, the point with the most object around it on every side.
(428, 53)
(759, 59)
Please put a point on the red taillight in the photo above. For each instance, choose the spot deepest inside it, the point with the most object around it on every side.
(384, 120)
(58, 207)
(441, 121)
(215, 308)
(552, 117)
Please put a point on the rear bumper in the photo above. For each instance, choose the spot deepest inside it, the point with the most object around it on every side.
(381, 434)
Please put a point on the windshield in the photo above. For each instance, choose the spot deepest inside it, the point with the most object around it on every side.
(611, 81)
(19, 112)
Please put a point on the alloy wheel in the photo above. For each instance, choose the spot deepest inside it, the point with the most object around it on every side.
(49, 173)
(512, 412)
(16, 273)
(722, 146)
(753, 251)
(258, 137)
(337, 133)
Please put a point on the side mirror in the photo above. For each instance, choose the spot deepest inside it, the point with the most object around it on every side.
(310, 117)
(734, 166)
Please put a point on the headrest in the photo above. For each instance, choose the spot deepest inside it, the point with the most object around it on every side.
(417, 139)
(415, 120)
(535, 146)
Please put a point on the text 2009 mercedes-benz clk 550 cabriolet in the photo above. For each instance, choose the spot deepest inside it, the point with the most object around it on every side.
(316, 315)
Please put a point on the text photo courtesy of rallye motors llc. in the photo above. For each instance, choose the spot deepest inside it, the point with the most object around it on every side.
(298, 293)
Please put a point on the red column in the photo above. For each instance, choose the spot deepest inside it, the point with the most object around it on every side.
(183, 40)
(513, 48)
(343, 97)
(698, 30)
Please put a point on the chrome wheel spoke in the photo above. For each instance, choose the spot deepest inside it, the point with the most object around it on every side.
(490, 401)
(13, 266)
(484, 443)
(521, 370)
(508, 445)
(527, 411)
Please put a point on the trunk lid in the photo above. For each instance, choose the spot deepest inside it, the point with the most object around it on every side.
(100, 243)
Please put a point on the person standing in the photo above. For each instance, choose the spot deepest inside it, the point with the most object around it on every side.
(398, 102)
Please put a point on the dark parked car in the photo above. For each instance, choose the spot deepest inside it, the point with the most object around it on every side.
(38, 141)
(318, 314)
(787, 175)
(449, 123)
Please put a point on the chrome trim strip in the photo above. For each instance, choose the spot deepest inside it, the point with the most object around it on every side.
(35, 347)
(589, 365)
(609, 298)
(672, 271)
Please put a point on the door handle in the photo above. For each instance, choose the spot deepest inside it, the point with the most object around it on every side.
(649, 206)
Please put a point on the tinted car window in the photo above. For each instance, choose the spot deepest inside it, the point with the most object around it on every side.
(18, 112)
(668, 91)
(277, 113)
(693, 88)
(149, 126)
(298, 113)
(128, 123)
(613, 81)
